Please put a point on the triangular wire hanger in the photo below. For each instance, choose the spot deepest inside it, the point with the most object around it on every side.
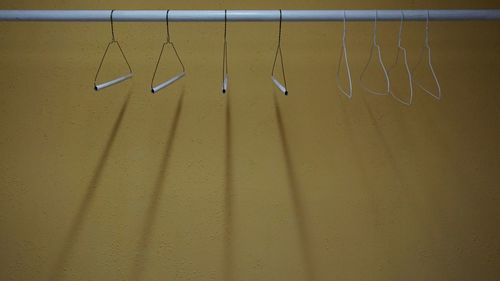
(343, 56)
(101, 86)
(155, 89)
(376, 46)
(407, 67)
(427, 48)
(225, 72)
(280, 86)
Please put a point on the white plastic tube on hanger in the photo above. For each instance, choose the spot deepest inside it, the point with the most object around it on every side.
(279, 85)
(168, 82)
(113, 82)
(224, 84)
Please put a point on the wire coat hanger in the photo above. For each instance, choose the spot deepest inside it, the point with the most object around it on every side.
(427, 48)
(155, 89)
(280, 86)
(375, 45)
(407, 68)
(101, 86)
(225, 72)
(343, 55)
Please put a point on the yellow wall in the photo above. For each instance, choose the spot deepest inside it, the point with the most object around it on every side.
(192, 185)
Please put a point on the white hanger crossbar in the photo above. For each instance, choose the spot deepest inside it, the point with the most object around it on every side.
(167, 83)
(113, 82)
(247, 15)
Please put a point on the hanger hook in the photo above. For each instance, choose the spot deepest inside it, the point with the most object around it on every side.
(279, 31)
(400, 28)
(344, 31)
(375, 28)
(166, 22)
(112, 29)
(225, 24)
(427, 30)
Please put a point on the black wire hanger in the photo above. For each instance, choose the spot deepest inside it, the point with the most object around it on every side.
(281, 87)
(129, 75)
(155, 89)
(225, 76)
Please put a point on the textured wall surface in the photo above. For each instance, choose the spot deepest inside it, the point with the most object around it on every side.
(192, 185)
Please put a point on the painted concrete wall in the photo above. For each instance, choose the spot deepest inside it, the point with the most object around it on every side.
(192, 185)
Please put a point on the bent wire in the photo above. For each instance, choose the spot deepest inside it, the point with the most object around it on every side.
(343, 55)
(427, 48)
(375, 45)
(155, 89)
(225, 76)
(101, 86)
(407, 68)
(280, 86)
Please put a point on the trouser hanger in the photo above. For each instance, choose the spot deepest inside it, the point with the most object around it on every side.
(101, 86)
(155, 89)
(280, 86)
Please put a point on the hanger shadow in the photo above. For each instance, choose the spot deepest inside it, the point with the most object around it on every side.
(356, 147)
(152, 209)
(79, 220)
(305, 247)
(387, 150)
(228, 200)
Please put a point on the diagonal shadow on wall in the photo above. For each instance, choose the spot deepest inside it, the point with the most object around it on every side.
(79, 220)
(228, 201)
(298, 207)
(152, 210)
(385, 145)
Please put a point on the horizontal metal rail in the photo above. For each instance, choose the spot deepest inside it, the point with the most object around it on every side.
(247, 15)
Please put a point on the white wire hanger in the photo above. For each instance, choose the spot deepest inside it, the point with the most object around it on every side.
(225, 72)
(376, 46)
(407, 68)
(343, 55)
(155, 89)
(427, 48)
(129, 75)
(280, 86)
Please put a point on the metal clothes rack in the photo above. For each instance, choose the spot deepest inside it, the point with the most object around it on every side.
(247, 15)
(256, 16)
